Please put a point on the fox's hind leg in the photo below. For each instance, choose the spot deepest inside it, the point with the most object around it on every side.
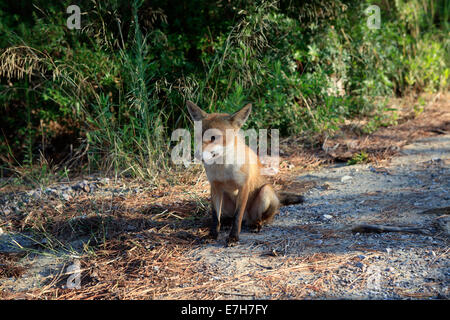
(263, 207)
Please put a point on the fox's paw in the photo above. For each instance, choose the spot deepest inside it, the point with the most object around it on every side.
(209, 238)
(213, 235)
(256, 227)
(232, 241)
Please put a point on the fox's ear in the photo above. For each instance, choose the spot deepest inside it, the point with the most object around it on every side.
(239, 117)
(196, 113)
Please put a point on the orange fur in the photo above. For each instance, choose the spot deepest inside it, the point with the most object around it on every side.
(238, 190)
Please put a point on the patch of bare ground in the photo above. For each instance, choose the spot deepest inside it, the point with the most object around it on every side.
(433, 119)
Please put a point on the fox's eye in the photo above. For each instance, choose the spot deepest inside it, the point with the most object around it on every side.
(213, 138)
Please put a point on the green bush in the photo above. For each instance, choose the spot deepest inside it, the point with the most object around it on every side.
(116, 89)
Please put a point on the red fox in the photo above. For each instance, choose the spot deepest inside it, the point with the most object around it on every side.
(238, 189)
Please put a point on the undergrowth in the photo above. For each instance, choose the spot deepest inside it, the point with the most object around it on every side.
(107, 97)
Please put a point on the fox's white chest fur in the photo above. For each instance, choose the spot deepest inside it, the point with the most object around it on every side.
(224, 173)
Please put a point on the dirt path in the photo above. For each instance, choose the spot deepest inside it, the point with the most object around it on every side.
(140, 242)
(352, 264)
(310, 250)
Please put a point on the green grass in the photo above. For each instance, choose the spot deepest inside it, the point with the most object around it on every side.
(358, 158)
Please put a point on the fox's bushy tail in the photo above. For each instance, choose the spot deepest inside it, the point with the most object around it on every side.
(287, 198)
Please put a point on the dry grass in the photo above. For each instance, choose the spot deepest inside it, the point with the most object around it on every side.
(144, 254)
(9, 266)
(129, 270)
(141, 242)
(18, 62)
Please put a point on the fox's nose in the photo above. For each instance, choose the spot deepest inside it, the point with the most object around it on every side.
(212, 153)
(207, 156)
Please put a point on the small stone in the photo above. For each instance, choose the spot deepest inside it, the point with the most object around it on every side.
(50, 192)
(76, 187)
(104, 181)
(388, 250)
(66, 196)
(325, 186)
(1, 231)
(327, 216)
(346, 178)
(35, 194)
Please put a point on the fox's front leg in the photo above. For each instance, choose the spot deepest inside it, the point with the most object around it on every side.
(241, 205)
(216, 211)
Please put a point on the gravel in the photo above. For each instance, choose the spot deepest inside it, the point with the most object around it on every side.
(374, 266)
(391, 265)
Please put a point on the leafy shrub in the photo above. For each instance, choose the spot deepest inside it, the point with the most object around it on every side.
(116, 89)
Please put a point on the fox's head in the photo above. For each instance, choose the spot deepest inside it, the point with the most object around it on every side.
(219, 130)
